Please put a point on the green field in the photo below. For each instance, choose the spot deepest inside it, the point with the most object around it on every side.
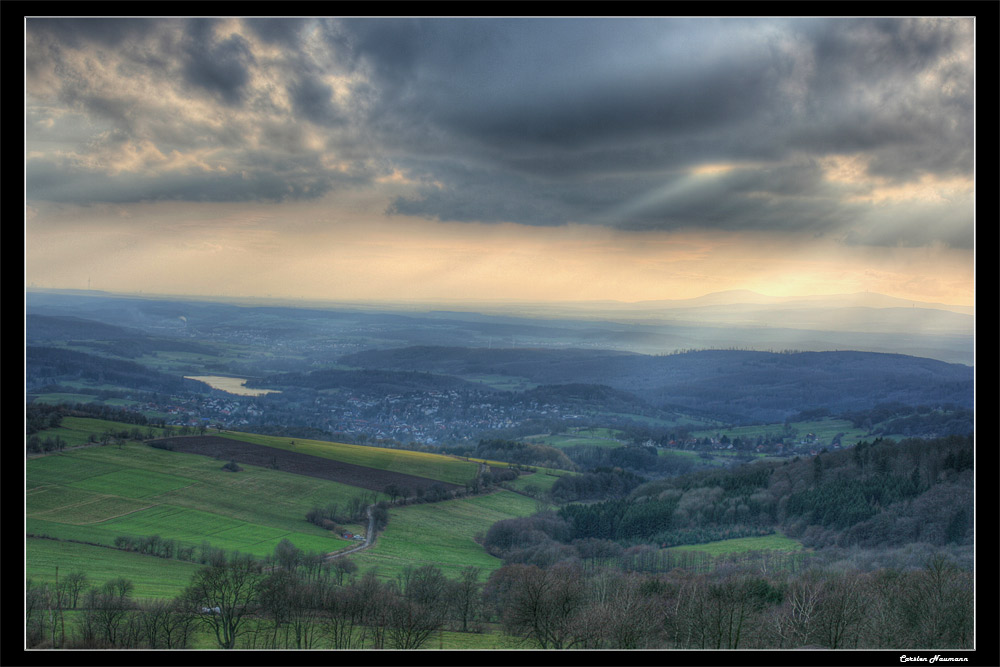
(152, 577)
(78, 430)
(776, 542)
(83, 499)
(442, 534)
(184, 363)
(56, 398)
(824, 430)
(539, 481)
(501, 382)
(596, 437)
(97, 493)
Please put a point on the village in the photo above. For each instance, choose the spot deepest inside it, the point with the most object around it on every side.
(427, 418)
(433, 418)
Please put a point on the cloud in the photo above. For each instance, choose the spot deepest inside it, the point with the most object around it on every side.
(219, 65)
(181, 110)
(313, 100)
(532, 121)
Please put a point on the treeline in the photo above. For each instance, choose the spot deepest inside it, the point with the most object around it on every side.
(596, 484)
(370, 382)
(35, 443)
(40, 416)
(288, 601)
(916, 421)
(133, 348)
(333, 514)
(49, 365)
(637, 458)
(567, 606)
(283, 602)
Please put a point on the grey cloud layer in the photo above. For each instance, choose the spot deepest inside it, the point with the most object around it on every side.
(533, 121)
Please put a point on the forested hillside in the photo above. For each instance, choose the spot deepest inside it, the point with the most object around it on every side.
(877, 495)
(49, 365)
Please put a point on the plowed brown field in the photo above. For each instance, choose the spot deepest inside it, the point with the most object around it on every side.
(248, 453)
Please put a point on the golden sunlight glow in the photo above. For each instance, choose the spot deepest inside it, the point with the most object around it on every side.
(852, 170)
(302, 251)
(716, 169)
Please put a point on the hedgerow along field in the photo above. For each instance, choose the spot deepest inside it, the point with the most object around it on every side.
(78, 431)
(155, 578)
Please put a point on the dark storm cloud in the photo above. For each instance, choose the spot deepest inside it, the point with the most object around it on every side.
(548, 117)
(789, 199)
(865, 95)
(531, 85)
(76, 32)
(533, 121)
(270, 180)
(283, 31)
(313, 100)
(220, 66)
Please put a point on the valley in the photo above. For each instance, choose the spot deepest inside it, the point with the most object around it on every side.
(495, 469)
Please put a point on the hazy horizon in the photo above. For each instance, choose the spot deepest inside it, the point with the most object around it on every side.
(529, 160)
(739, 296)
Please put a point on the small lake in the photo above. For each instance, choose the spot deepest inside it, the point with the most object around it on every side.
(230, 385)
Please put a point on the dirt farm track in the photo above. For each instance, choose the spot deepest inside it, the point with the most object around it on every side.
(248, 453)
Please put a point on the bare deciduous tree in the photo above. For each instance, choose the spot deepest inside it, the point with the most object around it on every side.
(224, 594)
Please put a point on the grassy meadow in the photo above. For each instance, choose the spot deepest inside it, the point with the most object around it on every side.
(775, 542)
(78, 501)
(97, 493)
(825, 431)
(153, 577)
(538, 482)
(443, 534)
(56, 398)
(77, 431)
(596, 437)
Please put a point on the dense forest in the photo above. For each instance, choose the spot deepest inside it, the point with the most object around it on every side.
(882, 494)
(49, 365)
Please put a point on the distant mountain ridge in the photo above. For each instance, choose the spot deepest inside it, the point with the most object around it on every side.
(745, 385)
(714, 321)
(857, 299)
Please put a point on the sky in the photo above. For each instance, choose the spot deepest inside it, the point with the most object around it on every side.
(501, 158)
